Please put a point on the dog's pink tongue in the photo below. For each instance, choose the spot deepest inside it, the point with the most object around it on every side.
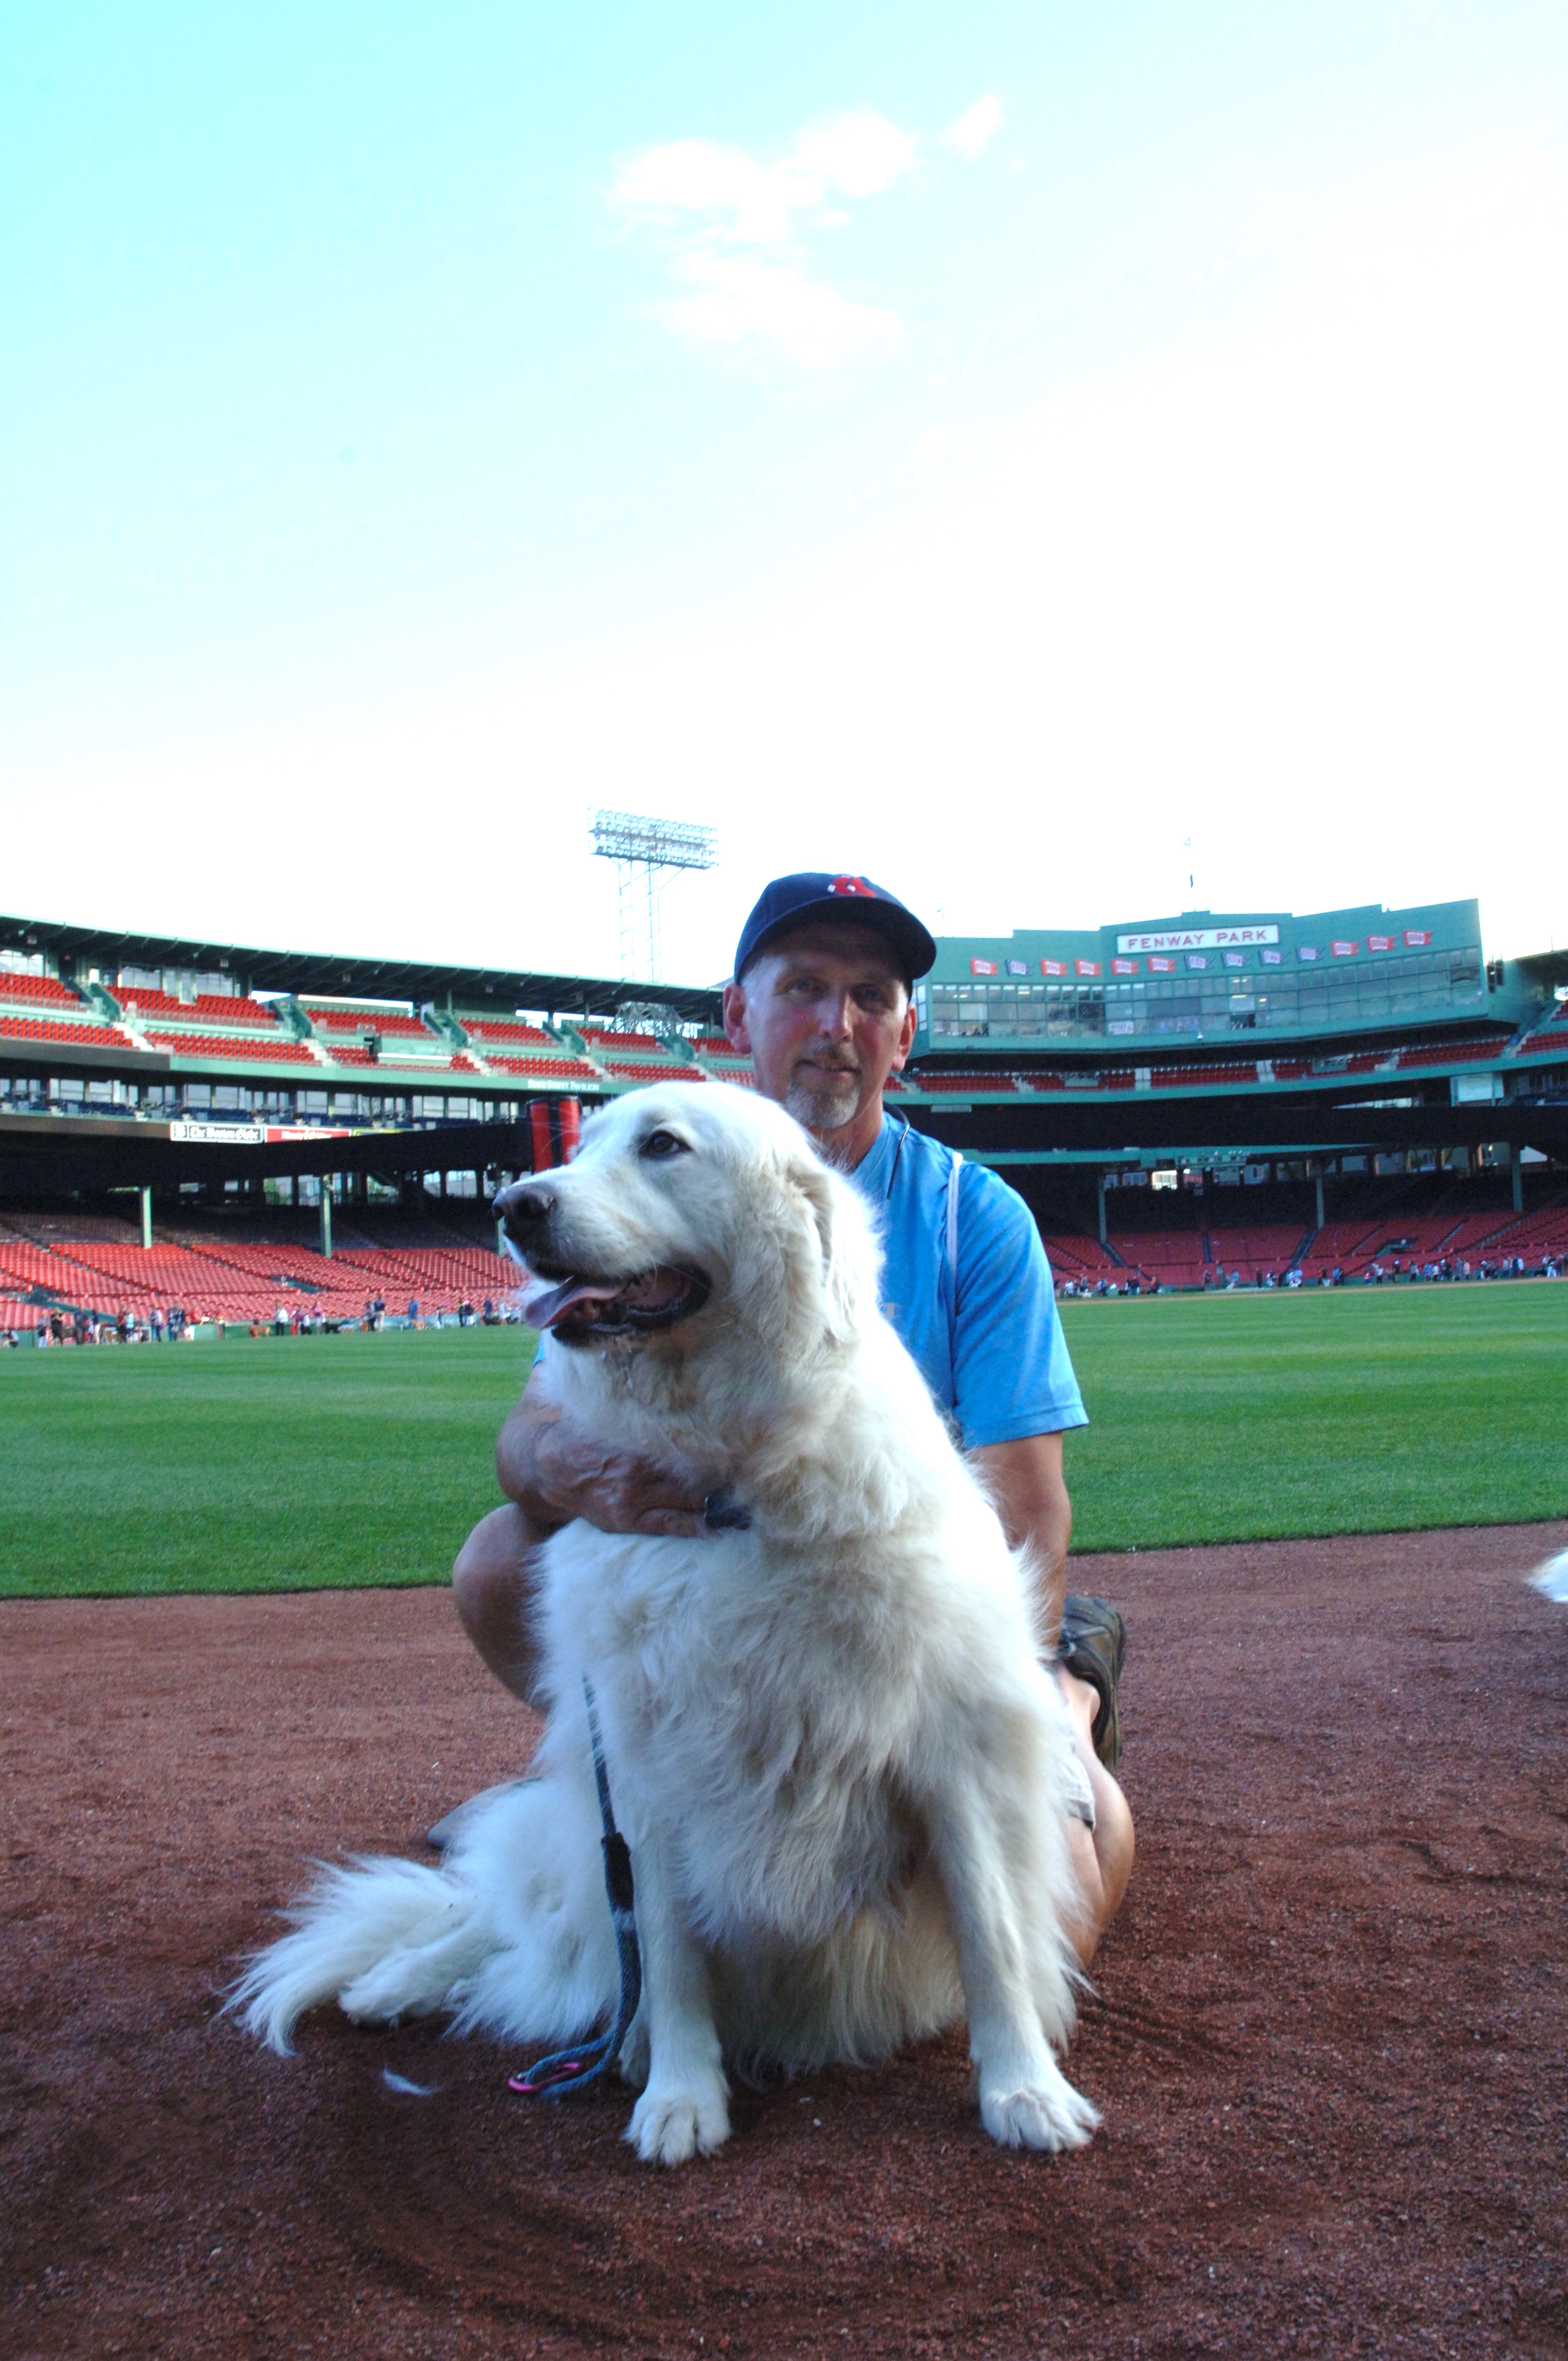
(543, 1306)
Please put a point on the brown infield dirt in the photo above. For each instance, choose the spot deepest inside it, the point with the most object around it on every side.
(1328, 2037)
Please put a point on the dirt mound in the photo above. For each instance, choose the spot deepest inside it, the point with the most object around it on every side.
(1328, 2040)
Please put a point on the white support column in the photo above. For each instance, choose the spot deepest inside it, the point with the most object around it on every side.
(147, 1220)
(1318, 1184)
(326, 1216)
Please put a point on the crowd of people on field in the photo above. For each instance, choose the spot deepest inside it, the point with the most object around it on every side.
(306, 1316)
(1549, 1264)
(83, 1327)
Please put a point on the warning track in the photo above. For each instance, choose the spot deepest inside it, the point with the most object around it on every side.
(1328, 2039)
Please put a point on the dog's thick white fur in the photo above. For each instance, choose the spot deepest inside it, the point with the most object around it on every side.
(838, 1764)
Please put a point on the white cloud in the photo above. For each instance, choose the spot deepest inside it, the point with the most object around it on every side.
(1297, 594)
(859, 154)
(737, 299)
(705, 199)
(747, 202)
(975, 128)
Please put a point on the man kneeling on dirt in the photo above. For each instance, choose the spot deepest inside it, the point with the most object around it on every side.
(822, 1002)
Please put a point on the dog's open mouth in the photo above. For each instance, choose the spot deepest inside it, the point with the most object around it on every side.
(577, 1310)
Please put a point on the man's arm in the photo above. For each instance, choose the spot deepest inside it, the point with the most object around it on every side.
(1027, 1482)
(554, 1474)
(551, 1475)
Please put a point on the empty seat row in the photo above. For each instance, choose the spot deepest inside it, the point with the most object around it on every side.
(604, 1036)
(495, 1028)
(555, 1070)
(236, 1051)
(38, 1028)
(217, 1008)
(38, 987)
(344, 1020)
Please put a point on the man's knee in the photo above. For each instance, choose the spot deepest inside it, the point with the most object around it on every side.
(491, 1558)
(489, 1589)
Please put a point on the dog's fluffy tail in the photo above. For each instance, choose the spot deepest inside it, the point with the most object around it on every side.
(387, 1939)
(511, 1934)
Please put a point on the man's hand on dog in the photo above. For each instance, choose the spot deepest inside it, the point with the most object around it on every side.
(554, 1474)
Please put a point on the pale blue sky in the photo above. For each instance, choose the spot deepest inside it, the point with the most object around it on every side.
(407, 441)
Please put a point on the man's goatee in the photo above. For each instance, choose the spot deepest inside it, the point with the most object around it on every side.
(825, 1102)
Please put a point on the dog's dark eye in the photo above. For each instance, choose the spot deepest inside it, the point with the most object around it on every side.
(663, 1143)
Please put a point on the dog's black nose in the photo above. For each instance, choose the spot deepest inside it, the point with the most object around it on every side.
(521, 1207)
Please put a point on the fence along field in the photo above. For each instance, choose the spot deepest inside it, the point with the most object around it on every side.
(304, 1463)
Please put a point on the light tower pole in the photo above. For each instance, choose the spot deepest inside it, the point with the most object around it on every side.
(641, 850)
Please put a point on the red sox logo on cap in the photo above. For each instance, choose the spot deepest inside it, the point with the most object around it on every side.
(853, 886)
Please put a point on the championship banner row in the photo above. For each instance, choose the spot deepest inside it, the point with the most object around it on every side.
(1414, 938)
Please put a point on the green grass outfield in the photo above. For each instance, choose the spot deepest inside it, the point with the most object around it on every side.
(1364, 1411)
(282, 1464)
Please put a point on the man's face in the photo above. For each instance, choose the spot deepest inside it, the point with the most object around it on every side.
(826, 1016)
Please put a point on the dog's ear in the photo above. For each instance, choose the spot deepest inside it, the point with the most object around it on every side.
(848, 1257)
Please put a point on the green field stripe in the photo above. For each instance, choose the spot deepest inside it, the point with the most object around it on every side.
(1280, 1415)
(277, 1463)
(302, 1463)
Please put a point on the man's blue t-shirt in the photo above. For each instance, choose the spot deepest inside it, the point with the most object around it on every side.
(996, 1359)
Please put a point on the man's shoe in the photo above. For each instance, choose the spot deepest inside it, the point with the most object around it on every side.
(1092, 1645)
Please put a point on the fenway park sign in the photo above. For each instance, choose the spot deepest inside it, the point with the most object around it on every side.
(1199, 938)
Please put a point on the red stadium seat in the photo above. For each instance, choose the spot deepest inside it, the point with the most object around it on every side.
(389, 1022)
(601, 1037)
(236, 1050)
(47, 989)
(33, 1028)
(484, 1029)
(221, 1009)
(547, 1070)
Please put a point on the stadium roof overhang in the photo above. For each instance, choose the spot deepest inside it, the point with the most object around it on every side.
(1546, 970)
(337, 975)
(44, 1154)
(1283, 1125)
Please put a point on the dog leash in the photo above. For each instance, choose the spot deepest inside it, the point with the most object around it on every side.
(566, 2070)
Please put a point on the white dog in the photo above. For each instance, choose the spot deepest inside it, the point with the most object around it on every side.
(840, 1766)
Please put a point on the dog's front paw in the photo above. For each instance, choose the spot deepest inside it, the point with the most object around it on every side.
(670, 2125)
(1046, 2113)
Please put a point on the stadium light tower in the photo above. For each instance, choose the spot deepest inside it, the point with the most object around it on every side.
(641, 850)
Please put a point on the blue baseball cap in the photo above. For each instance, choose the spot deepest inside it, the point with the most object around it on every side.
(815, 893)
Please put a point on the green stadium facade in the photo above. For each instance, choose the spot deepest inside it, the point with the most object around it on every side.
(1179, 1078)
(1199, 977)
